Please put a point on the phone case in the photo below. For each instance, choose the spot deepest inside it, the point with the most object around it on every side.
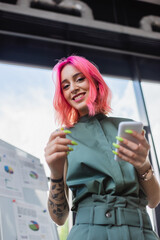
(136, 126)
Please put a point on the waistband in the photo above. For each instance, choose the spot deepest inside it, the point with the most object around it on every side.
(111, 201)
(101, 215)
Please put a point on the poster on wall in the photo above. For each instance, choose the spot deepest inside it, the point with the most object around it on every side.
(32, 222)
(10, 186)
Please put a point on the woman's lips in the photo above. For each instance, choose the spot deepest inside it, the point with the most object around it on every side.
(79, 97)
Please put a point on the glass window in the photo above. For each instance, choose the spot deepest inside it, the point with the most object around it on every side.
(26, 110)
(123, 98)
(124, 104)
(151, 93)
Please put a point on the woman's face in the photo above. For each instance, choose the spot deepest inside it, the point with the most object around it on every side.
(75, 87)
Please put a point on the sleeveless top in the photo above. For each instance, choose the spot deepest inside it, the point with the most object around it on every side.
(92, 169)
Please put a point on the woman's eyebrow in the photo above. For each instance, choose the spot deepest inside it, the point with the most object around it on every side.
(75, 75)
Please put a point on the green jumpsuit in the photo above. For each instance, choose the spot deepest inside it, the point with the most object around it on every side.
(107, 197)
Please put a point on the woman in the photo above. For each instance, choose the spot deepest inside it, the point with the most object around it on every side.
(109, 197)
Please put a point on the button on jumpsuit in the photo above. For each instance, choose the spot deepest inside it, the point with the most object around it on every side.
(108, 200)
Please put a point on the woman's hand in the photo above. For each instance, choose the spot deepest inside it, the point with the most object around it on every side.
(56, 152)
(136, 154)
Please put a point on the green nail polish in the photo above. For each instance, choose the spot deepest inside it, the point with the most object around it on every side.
(67, 153)
(70, 149)
(143, 130)
(115, 145)
(74, 143)
(62, 128)
(115, 152)
(66, 131)
(128, 131)
(119, 139)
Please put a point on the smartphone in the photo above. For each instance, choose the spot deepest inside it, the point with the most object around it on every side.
(136, 126)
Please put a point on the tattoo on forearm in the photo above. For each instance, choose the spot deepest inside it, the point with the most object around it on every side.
(57, 201)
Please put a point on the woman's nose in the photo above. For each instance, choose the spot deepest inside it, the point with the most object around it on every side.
(73, 87)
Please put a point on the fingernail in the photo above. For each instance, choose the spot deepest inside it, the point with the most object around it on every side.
(67, 153)
(119, 139)
(70, 149)
(115, 145)
(143, 130)
(115, 152)
(62, 128)
(66, 131)
(74, 143)
(128, 131)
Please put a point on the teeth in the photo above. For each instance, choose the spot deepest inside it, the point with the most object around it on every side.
(79, 96)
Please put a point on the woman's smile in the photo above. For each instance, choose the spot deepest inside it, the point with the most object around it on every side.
(79, 97)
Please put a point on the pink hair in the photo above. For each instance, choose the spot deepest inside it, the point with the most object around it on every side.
(98, 100)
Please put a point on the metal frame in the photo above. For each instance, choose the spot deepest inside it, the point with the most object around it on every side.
(23, 20)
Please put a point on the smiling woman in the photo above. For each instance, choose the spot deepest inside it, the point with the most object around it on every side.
(109, 196)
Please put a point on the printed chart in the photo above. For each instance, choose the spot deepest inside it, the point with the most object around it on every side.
(32, 173)
(10, 185)
(32, 222)
(19, 169)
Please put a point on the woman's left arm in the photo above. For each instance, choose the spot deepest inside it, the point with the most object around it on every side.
(137, 155)
(151, 187)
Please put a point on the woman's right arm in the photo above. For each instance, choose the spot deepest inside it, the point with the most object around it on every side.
(56, 154)
(57, 202)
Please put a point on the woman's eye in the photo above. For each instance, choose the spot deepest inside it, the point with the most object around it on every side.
(80, 79)
(66, 86)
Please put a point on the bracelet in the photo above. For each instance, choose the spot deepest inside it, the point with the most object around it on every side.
(147, 175)
(56, 180)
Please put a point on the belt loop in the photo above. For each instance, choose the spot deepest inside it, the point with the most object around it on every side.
(141, 222)
(119, 216)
